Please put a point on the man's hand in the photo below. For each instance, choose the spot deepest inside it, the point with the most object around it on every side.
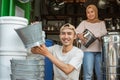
(42, 49)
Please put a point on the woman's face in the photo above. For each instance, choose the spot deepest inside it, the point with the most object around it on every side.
(90, 14)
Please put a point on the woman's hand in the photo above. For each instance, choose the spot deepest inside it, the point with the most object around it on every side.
(42, 49)
(81, 37)
(99, 39)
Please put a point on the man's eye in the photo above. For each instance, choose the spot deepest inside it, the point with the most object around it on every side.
(62, 33)
(69, 33)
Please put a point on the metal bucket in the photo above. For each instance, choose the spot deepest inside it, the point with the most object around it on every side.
(28, 73)
(29, 76)
(31, 35)
(27, 69)
(111, 56)
(89, 36)
(27, 62)
(27, 65)
(24, 77)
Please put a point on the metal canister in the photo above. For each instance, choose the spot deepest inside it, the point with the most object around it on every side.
(111, 56)
(89, 36)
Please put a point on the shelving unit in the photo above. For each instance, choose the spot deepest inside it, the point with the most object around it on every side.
(72, 12)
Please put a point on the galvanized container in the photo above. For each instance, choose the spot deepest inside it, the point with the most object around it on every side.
(90, 38)
(27, 62)
(24, 77)
(111, 56)
(27, 69)
(32, 35)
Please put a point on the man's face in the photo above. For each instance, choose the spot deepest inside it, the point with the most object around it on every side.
(67, 37)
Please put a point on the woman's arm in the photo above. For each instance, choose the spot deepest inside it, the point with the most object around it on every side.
(81, 37)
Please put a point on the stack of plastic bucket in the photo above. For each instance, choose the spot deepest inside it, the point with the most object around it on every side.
(11, 45)
(10, 41)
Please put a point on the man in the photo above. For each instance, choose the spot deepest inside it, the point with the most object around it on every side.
(66, 59)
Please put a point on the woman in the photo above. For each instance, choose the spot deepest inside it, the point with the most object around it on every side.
(92, 54)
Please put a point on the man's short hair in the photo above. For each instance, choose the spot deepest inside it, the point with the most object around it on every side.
(68, 26)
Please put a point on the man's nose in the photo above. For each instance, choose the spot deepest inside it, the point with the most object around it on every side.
(66, 35)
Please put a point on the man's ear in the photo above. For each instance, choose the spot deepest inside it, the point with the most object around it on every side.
(59, 35)
(75, 36)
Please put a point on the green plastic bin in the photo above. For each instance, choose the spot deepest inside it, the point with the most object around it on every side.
(8, 8)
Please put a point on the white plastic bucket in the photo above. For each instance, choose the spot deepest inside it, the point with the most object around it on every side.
(5, 68)
(9, 40)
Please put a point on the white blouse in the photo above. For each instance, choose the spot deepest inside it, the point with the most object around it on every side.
(98, 29)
